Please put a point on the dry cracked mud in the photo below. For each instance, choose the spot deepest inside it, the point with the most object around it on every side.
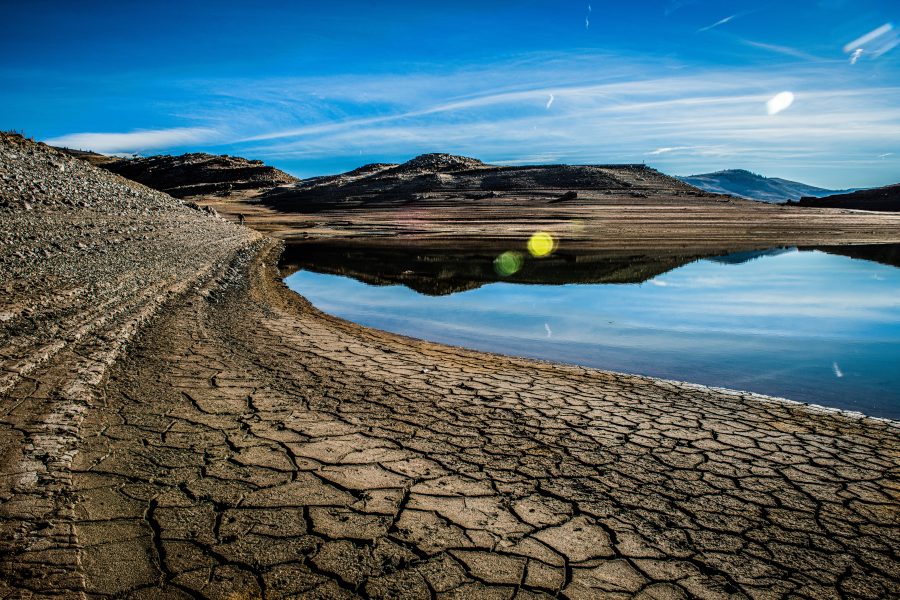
(218, 437)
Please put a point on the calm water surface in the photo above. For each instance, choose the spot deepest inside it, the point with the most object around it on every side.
(807, 325)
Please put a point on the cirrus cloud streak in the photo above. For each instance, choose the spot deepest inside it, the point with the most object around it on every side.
(136, 141)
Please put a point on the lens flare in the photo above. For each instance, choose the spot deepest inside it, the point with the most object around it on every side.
(508, 263)
(541, 244)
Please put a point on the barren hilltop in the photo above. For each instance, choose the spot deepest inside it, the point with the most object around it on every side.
(177, 424)
(450, 178)
(192, 174)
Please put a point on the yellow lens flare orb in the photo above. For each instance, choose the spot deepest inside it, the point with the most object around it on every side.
(508, 263)
(541, 244)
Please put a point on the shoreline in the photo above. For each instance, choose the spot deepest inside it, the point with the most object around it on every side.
(813, 407)
(549, 361)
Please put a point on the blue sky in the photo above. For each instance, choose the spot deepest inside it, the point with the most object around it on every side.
(318, 88)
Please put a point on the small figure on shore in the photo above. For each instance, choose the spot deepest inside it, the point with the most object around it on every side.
(240, 218)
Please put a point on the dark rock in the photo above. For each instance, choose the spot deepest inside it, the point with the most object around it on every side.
(484, 196)
(566, 196)
(885, 199)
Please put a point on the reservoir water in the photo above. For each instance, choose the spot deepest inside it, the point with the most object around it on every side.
(806, 325)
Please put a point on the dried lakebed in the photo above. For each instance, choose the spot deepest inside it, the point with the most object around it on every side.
(253, 445)
(176, 423)
(806, 325)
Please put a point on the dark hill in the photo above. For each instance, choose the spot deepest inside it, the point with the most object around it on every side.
(881, 199)
(191, 174)
(456, 179)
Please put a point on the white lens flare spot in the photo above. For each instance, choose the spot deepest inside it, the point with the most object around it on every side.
(779, 102)
(541, 244)
(508, 263)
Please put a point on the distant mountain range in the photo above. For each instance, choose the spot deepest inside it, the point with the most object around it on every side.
(744, 184)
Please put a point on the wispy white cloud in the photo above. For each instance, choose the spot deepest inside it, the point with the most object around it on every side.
(784, 50)
(615, 110)
(675, 5)
(873, 44)
(693, 120)
(136, 141)
(659, 151)
(873, 35)
(887, 46)
(717, 23)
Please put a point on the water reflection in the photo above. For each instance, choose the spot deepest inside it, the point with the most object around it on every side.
(437, 271)
(809, 325)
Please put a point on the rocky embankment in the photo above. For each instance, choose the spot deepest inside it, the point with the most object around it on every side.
(86, 258)
(194, 174)
(178, 424)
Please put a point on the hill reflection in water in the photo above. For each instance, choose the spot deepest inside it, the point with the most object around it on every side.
(810, 325)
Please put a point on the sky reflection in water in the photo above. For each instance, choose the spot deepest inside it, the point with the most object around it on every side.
(808, 326)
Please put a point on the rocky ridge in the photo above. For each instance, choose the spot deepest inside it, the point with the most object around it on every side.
(194, 174)
(448, 178)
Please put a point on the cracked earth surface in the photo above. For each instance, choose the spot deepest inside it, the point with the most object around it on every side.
(340, 462)
(244, 445)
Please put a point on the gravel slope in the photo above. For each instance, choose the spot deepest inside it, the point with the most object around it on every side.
(86, 258)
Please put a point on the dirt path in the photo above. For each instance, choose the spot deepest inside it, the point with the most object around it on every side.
(251, 446)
